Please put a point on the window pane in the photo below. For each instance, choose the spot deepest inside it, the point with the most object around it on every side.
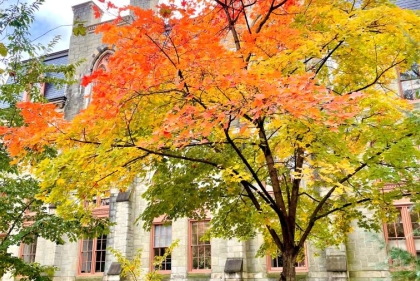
(100, 254)
(415, 223)
(86, 262)
(100, 262)
(162, 236)
(29, 252)
(87, 256)
(195, 263)
(194, 233)
(93, 255)
(278, 261)
(166, 265)
(396, 229)
(87, 245)
(168, 235)
(416, 229)
(400, 229)
(200, 249)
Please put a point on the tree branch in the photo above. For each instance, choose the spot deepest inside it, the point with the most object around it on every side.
(314, 215)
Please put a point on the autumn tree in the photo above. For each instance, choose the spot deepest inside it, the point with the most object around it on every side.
(279, 117)
(25, 217)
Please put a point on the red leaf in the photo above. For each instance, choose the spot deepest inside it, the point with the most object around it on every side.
(167, 134)
(111, 6)
(85, 81)
(97, 12)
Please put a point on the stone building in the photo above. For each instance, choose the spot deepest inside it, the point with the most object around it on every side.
(362, 258)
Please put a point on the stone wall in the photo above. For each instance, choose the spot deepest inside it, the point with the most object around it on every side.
(362, 254)
(367, 256)
(145, 4)
(83, 49)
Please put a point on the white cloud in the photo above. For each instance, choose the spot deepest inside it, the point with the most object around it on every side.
(57, 16)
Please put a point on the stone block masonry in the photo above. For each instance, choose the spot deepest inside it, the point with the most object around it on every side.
(360, 258)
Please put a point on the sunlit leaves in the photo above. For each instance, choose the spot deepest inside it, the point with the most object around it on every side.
(3, 50)
(281, 122)
(79, 28)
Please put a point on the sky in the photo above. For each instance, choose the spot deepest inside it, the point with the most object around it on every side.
(57, 15)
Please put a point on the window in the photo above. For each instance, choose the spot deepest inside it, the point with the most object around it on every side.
(100, 200)
(102, 64)
(200, 250)
(28, 251)
(27, 97)
(100, 204)
(92, 255)
(396, 229)
(404, 232)
(103, 61)
(162, 239)
(410, 83)
(276, 264)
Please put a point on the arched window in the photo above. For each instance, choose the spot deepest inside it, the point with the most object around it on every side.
(101, 62)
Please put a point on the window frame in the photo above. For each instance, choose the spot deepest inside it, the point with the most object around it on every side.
(409, 238)
(190, 247)
(101, 205)
(152, 247)
(94, 256)
(32, 252)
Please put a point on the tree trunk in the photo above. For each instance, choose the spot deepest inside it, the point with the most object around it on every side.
(289, 270)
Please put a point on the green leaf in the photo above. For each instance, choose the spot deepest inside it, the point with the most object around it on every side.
(3, 50)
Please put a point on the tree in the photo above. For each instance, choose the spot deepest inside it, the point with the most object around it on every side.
(23, 60)
(405, 265)
(277, 116)
(132, 269)
(24, 216)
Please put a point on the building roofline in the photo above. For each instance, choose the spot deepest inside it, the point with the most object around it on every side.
(52, 56)
(58, 54)
(86, 3)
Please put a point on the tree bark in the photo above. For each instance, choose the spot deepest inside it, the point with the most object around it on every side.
(289, 270)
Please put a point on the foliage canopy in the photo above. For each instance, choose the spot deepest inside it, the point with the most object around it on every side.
(279, 117)
(25, 217)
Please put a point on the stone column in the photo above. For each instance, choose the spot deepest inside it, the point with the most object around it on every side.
(81, 48)
(84, 13)
(367, 256)
(144, 4)
(179, 269)
(118, 237)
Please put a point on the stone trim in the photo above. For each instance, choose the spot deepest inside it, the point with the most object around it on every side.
(233, 265)
(92, 28)
(123, 196)
(114, 269)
